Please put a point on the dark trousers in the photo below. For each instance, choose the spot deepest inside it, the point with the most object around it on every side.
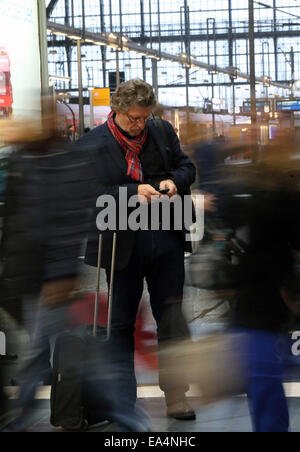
(263, 357)
(267, 400)
(158, 258)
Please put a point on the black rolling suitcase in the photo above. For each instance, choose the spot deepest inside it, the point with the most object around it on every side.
(81, 392)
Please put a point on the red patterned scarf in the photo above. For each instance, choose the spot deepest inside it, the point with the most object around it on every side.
(132, 147)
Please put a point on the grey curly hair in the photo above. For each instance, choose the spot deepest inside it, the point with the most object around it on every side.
(133, 92)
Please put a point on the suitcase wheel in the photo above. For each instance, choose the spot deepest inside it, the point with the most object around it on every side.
(82, 427)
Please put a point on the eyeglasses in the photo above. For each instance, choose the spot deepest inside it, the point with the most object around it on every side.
(136, 120)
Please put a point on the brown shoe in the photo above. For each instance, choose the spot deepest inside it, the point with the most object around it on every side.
(181, 411)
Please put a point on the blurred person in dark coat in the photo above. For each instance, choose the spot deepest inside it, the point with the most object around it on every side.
(262, 213)
(46, 217)
(267, 294)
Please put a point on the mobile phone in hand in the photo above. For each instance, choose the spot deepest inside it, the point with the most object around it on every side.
(164, 191)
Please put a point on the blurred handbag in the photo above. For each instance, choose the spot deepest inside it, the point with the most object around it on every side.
(215, 264)
(215, 365)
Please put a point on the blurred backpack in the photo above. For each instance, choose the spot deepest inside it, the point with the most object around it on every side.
(215, 265)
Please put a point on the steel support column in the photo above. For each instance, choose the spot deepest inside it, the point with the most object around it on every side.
(252, 63)
(80, 90)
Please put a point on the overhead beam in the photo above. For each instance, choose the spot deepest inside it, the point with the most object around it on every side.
(116, 41)
(220, 36)
(51, 7)
(223, 36)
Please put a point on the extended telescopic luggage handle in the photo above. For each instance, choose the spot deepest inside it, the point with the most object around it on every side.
(111, 286)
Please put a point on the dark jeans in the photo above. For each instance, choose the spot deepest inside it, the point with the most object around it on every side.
(158, 257)
(263, 356)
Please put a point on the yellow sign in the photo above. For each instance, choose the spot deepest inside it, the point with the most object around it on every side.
(101, 96)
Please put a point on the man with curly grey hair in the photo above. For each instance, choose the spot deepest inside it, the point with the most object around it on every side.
(132, 154)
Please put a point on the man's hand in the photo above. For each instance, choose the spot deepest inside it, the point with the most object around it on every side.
(168, 184)
(59, 291)
(210, 200)
(292, 303)
(146, 191)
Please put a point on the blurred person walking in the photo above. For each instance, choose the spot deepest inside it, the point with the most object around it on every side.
(46, 217)
(267, 294)
(129, 151)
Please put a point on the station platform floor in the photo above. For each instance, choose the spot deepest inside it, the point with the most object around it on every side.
(205, 313)
(228, 416)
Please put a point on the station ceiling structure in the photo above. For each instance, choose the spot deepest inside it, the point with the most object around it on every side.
(190, 51)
